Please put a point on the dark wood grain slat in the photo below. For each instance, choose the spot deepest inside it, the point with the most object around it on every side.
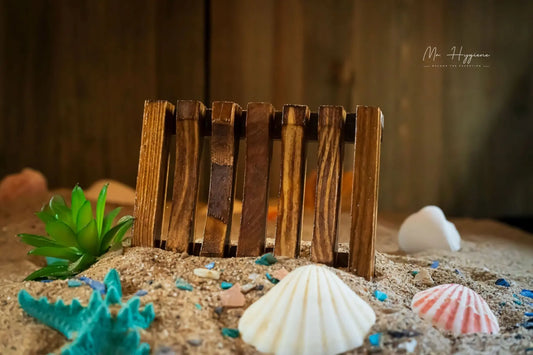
(158, 121)
(224, 149)
(292, 181)
(329, 173)
(365, 191)
(256, 175)
(189, 118)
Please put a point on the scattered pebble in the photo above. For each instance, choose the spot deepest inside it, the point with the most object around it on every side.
(195, 342)
(74, 283)
(424, 277)
(210, 265)
(516, 299)
(141, 293)
(253, 276)
(528, 324)
(374, 339)
(502, 304)
(527, 293)
(528, 314)
(207, 274)
(458, 272)
(403, 333)
(219, 310)
(164, 350)
(267, 260)
(225, 285)
(414, 272)
(280, 274)
(230, 332)
(95, 285)
(198, 306)
(381, 296)
(46, 281)
(502, 282)
(183, 285)
(247, 288)
(259, 287)
(271, 278)
(232, 297)
(409, 346)
(434, 264)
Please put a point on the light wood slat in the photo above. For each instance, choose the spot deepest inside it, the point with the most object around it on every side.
(292, 181)
(329, 172)
(158, 124)
(256, 175)
(224, 149)
(365, 191)
(189, 120)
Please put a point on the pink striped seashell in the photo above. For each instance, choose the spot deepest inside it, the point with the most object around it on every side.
(455, 308)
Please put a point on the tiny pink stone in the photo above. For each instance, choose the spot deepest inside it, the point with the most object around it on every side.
(280, 274)
(232, 297)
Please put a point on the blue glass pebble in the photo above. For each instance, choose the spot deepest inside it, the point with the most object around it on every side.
(141, 293)
(381, 296)
(375, 339)
(74, 283)
(95, 285)
(225, 285)
(434, 264)
(46, 281)
(527, 293)
(271, 278)
(210, 265)
(528, 314)
(502, 282)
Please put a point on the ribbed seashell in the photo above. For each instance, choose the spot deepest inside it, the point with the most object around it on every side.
(455, 308)
(310, 311)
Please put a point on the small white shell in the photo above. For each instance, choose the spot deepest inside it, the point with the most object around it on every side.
(455, 308)
(310, 311)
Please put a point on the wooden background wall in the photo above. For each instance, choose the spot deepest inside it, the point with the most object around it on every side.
(74, 75)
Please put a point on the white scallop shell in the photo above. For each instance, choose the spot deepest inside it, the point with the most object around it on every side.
(455, 308)
(310, 311)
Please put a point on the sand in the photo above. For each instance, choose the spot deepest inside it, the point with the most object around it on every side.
(490, 251)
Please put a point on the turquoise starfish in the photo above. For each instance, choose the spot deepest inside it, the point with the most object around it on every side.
(94, 329)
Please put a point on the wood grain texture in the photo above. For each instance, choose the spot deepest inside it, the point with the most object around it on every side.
(365, 191)
(292, 180)
(256, 175)
(328, 186)
(189, 119)
(224, 149)
(158, 123)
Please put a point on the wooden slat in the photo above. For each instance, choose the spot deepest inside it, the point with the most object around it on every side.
(256, 175)
(291, 185)
(224, 148)
(189, 118)
(158, 123)
(330, 148)
(365, 191)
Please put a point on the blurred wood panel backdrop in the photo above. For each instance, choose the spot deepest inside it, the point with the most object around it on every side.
(74, 76)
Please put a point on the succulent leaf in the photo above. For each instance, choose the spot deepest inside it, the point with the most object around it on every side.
(61, 211)
(77, 200)
(108, 220)
(50, 271)
(62, 253)
(88, 238)
(82, 263)
(100, 209)
(85, 215)
(38, 241)
(46, 214)
(115, 234)
(61, 233)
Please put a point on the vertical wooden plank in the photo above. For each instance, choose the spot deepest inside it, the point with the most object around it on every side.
(152, 172)
(224, 149)
(256, 175)
(328, 186)
(292, 180)
(365, 191)
(189, 119)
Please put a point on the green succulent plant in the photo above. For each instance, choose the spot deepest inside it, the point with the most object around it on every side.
(74, 235)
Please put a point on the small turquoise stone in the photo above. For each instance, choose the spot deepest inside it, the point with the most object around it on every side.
(183, 285)
(381, 296)
(375, 339)
(414, 273)
(230, 332)
(267, 260)
(225, 285)
(271, 278)
(74, 283)
(517, 300)
(198, 306)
